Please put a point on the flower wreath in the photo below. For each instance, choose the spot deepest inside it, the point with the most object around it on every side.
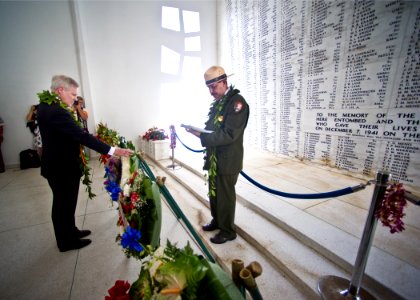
(139, 205)
(49, 98)
(136, 208)
(168, 273)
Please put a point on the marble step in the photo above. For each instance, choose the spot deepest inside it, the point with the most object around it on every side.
(297, 244)
(273, 283)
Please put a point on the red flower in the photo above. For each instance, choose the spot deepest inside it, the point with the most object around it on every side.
(104, 158)
(127, 207)
(119, 291)
(134, 197)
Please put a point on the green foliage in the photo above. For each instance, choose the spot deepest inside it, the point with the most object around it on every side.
(212, 174)
(142, 287)
(175, 271)
(123, 143)
(107, 135)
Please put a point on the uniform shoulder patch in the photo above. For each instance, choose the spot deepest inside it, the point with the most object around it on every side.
(238, 105)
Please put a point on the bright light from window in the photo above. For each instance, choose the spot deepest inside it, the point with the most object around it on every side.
(170, 61)
(186, 90)
(192, 43)
(191, 67)
(191, 21)
(176, 101)
(170, 18)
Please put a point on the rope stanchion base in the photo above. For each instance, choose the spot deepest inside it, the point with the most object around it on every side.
(337, 288)
(174, 166)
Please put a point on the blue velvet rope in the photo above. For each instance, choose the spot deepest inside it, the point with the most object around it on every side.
(198, 151)
(337, 193)
(345, 191)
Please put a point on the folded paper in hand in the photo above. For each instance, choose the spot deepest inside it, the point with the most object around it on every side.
(196, 128)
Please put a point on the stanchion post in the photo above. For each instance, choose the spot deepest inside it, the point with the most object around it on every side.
(173, 145)
(368, 233)
(333, 287)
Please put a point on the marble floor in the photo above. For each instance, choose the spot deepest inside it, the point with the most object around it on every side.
(32, 266)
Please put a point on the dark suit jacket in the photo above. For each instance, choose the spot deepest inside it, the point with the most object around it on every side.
(228, 139)
(61, 140)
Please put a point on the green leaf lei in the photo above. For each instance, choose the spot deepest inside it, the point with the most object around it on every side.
(216, 108)
(49, 98)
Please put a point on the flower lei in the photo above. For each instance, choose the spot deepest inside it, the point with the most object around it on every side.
(173, 137)
(391, 210)
(216, 108)
(49, 98)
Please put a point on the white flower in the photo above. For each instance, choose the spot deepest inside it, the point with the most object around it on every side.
(127, 190)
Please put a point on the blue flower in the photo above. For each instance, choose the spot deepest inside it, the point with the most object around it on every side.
(114, 189)
(131, 239)
(110, 175)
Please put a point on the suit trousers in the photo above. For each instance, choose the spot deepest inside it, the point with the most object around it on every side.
(223, 206)
(65, 191)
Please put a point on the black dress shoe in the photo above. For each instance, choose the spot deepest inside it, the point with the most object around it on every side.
(210, 226)
(82, 233)
(221, 238)
(77, 244)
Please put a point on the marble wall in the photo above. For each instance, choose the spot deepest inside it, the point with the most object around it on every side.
(332, 82)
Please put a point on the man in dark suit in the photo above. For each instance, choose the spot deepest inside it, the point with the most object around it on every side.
(61, 163)
(228, 118)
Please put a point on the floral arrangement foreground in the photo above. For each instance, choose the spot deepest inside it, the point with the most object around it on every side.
(174, 273)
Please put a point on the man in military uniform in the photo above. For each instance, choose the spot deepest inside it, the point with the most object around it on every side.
(228, 118)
